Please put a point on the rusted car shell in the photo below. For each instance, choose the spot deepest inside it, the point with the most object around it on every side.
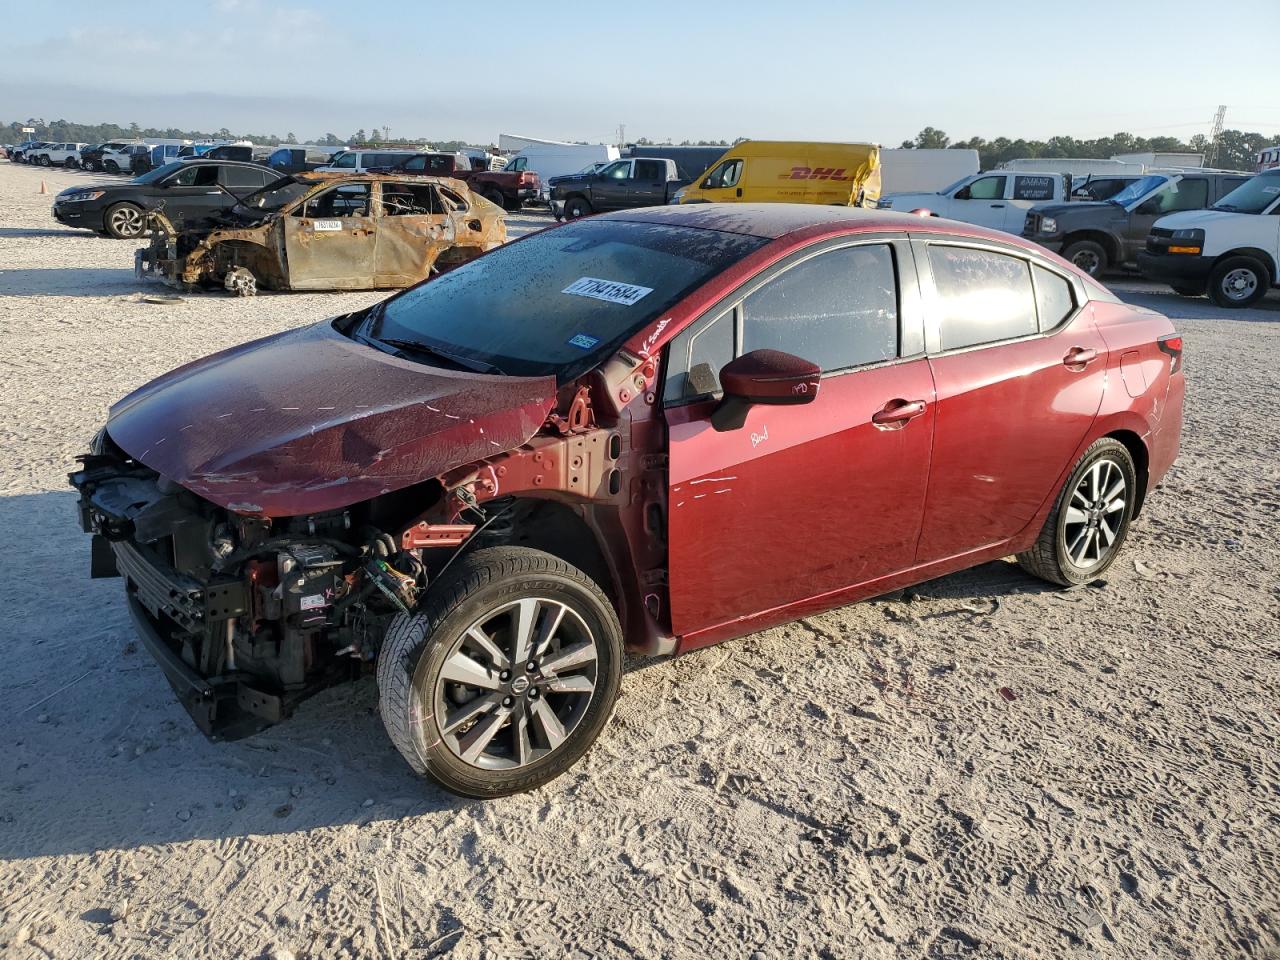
(288, 251)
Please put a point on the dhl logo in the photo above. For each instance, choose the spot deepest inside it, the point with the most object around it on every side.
(815, 173)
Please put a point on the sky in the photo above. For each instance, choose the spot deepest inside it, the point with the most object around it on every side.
(576, 70)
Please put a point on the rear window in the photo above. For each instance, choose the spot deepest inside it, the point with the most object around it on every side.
(558, 302)
(982, 296)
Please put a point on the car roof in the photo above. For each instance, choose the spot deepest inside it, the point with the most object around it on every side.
(773, 221)
(215, 162)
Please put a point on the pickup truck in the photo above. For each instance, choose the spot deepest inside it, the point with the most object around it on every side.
(997, 198)
(635, 182)
(57, 155)
(507, 189)
(1101, 235)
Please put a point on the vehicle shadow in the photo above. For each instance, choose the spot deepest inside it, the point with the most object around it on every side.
(97, 754)
(43, 232)
(68, 282)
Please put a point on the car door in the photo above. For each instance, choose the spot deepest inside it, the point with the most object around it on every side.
(330, 239)
(609, 188)
(981, 201)
(1019, 368)
(192, 194)
(802, 501)
(413, 228)
(1027, 190)
(648, 184)
(242, 181)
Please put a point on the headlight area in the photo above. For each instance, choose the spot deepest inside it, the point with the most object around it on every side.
(248, 616)
(82, 196)
(1048, 225)
(1187, 242)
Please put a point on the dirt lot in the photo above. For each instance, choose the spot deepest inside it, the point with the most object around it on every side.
(855, 785)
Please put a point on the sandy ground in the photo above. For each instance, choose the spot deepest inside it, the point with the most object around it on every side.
(853, 785)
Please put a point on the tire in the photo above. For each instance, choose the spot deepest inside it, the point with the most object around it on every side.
(124, 221)
(1058, 556)
(484, 591)
(1187, 289)
(111, 167)
(70, 163)
(494, 196)
(1238, 282)
(1089, 255)
(576, 207)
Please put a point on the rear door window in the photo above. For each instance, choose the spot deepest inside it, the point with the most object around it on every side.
(838, 309)
(1054, 299)
(245, 177)
(1033, 188)
(982, 296)
(648, 170)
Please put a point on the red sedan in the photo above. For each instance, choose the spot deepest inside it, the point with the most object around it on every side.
(654, 430)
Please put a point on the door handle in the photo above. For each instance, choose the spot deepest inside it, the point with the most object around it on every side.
(998, 205)
(1077, 358)
(739, 191)
(895, 414)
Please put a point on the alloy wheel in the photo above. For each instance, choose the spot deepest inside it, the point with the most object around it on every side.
(516, 684)
(126, 221)
(1095, 513)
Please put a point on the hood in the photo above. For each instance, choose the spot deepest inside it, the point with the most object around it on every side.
(569, 178)
(308, 421)
(1185, 219)
(85, 188)
(1084, 208)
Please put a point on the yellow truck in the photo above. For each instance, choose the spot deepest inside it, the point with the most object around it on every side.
(790, 171)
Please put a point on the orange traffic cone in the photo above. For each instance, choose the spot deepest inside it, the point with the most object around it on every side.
(43, 188)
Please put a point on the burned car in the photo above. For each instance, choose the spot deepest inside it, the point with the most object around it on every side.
(654, 430)
(326, 231)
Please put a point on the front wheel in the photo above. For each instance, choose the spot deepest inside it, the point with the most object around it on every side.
(505, 676)
(1238, 282)
(111, 166)
(576, 207)
(70, 163)
(124, 221)
(1087, 527)
(1089, 255)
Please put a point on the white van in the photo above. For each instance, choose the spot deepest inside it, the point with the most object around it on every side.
(549, 160)
(1230, 251)
(997, 198)
(361, 161)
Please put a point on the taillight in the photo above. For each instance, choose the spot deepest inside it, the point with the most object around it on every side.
(1172, 345)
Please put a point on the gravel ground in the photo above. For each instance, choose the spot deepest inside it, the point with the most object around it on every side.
(984, 768)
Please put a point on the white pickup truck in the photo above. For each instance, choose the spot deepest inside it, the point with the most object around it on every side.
(1230, 251)
(997, 198)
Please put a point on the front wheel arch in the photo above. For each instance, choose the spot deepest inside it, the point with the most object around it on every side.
(1254, 253)
(1104, 240)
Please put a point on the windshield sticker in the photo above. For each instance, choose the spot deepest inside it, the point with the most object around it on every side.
(583, 341)
(610, 291)
(331, 226)
(1271, 191)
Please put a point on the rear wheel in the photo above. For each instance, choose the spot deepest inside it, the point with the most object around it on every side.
(124, 221)
(111, 166)
(1087, 527)
(1089, 255)
(493, 195)
(1238, 282)
(70, 163)
(505, 676)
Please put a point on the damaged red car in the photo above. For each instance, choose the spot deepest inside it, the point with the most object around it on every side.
(648, 431)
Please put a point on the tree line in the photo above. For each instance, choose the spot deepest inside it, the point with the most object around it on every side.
(1235, 149)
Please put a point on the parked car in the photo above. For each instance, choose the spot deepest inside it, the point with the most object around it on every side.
(91, 156)
(1097, 236)
(489, 484)
(21, 153)
(1231, 251)
(57, 155)
(993, 199)
(185, 190)
(616, 186)
(778, 171)
(362, 161)
(549, 160)
(319, 231)
(127, 158)
(506, 188)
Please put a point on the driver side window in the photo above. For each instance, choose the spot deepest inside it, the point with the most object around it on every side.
(984, 188)
(725, 175)
(197, 176)
(617, 171)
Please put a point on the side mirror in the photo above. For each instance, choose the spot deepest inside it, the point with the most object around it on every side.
(962, 194)
(763, 376)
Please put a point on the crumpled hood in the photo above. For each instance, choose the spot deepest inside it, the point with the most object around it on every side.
(308, 420)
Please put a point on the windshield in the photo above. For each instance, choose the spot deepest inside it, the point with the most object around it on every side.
(953, 186)
(560, 301)
(1137, 190)
(159, 173)
(1252, 196)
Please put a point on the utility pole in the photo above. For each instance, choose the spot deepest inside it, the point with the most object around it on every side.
(622, 135)
(1216, 133)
